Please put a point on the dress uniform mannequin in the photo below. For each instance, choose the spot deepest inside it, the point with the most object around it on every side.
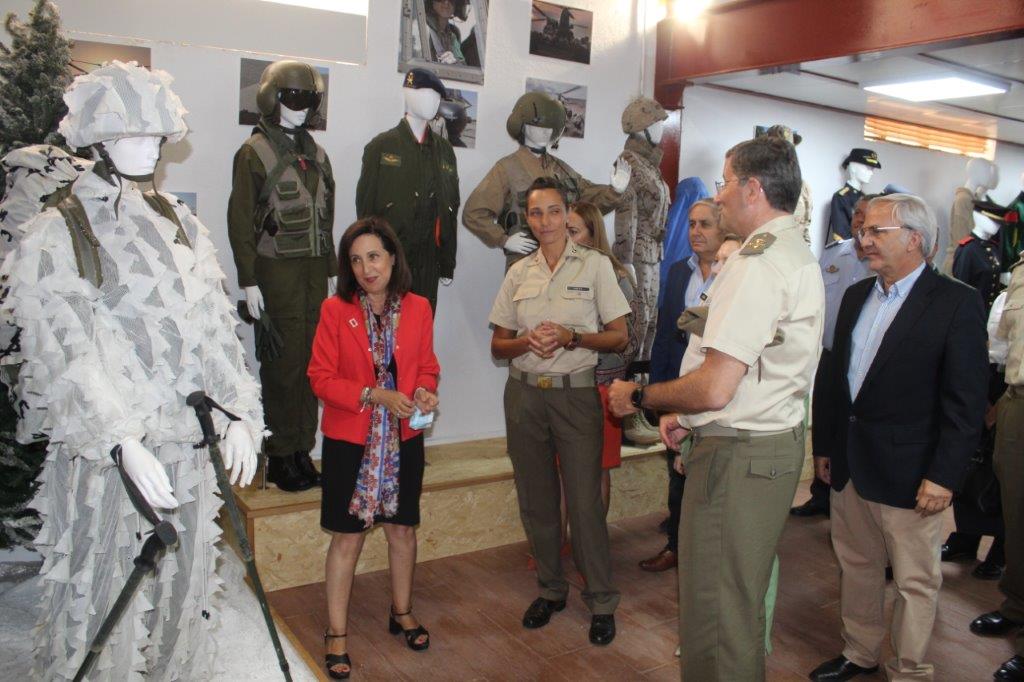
(410, 179)
(280, 222)
(860, 165)
(496, 210)
(982, 176)
(1013, 233)
(977, 260)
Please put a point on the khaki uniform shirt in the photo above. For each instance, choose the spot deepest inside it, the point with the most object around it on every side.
(1011, 327)
(766, 309)
(581, 293)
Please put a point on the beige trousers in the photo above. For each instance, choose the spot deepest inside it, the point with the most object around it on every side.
(865, 535)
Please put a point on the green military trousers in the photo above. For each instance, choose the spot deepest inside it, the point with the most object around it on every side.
(1008, 462)
(738, 493)
(293, 289)
(540, 423)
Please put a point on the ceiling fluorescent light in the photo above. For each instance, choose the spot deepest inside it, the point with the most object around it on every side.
(360, 7)
(946, 87)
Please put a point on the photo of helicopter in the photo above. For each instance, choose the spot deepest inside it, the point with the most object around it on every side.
(560, 32)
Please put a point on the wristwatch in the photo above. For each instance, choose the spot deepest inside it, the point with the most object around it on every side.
(637, 398)
(575, 341)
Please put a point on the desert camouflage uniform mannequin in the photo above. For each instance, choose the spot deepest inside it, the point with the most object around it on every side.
(640, 218)
(111, 364)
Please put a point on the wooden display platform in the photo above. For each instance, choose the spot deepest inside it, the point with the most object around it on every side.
(468, 504)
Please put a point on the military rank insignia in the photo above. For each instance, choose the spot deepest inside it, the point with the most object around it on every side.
(831, 268)
(390, 159)
(757, 244)
(409, 77)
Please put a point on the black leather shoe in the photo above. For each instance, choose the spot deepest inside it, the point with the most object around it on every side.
(602, 629)
(539, 613)
(955, 549)
(282, 472)
(987, 570)
(304, 463)
(1013, 669)
(993, 624)
(809, 508)
(839, 668)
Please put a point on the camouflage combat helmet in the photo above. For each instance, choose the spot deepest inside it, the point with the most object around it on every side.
(640, 114)
(121, 100)
(289, 76)
(536, 109)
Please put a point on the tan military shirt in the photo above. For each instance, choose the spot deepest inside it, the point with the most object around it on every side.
(581, 293)
(1011, 326)
(766, 309)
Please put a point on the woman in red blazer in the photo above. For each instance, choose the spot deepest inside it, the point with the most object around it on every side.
(373, 366)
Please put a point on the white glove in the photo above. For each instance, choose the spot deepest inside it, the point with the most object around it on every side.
(621, 173)
(632, 271)
(239, 454)
(519, 243)
(332, 285)
(447, 281)
(254, 300)
(147, 474)
(447, 58)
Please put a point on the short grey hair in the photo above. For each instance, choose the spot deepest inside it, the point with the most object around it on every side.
(911, 212)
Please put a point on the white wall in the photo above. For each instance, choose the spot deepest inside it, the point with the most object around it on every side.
(365, 100)
(714, 120)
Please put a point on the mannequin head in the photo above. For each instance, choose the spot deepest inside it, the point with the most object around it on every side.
(642, 118)
(422, 103)
(655, 131)
(135, 156)
(539, 110)
(982, 175)
(291, 118)
(859, 174)
(537, 137)
(984, 227)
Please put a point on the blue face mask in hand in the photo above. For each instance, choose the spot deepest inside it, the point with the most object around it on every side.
(420, 421)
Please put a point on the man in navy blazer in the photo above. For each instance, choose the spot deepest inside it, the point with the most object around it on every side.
(908, 392)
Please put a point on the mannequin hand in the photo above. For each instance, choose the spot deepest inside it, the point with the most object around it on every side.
(621, 173)
(447, 58)
(147, 474)
(447, 281)
(239, 454)
(332, 285)
(254, 299)
(425, 400)
(395, 402)
(632, 271)
(520, 243)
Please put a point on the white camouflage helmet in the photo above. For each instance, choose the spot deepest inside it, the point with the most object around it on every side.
(122, 100)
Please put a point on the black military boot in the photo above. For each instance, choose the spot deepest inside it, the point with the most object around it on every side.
(282, 472)
(304, 463)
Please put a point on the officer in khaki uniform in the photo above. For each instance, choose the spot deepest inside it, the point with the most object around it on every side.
(496, 210)
(556, 309)
(743, 382)
(1008, 462)
(280, 219)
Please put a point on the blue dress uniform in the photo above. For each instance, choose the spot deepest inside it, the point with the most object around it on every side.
(841, 214)
(978, 262)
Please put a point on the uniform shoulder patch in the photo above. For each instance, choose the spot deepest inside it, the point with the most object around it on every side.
(843, 191)
(390, 159)
(834, 242)
(758, 244)
(966, 240)
(831, 268)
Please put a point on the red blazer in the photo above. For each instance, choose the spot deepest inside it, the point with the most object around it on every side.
(342, 364)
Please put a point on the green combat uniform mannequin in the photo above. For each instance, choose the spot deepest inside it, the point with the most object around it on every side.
(280, 219)
(414, 185)
(496, 210)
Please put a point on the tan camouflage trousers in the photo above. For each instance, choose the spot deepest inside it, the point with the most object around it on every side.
(645, 308)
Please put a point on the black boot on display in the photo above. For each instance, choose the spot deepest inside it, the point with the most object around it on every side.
(1013, 669)
(838, 669)
(304, 463)
(282, 472)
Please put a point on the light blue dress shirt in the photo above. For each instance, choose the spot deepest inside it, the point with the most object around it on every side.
(879, 311)
(697, 284)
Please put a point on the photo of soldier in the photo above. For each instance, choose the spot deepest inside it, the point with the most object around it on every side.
(249, 83)
(573, 97)
(560, 32)
(444, 36)
(451, 36)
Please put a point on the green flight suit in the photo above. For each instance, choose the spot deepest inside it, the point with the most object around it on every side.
(293, 287)
(415, 187)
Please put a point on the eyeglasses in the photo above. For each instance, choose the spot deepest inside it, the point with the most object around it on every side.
(721, 183)
(874, 231)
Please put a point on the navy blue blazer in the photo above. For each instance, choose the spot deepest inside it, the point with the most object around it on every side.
(919, 412)
(669, 342)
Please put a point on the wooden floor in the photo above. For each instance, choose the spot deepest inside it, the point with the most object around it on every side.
(473, 603)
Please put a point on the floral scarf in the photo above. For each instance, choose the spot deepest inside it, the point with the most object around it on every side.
(377, 484)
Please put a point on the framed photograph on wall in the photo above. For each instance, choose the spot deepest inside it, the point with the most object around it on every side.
(456, 118)
(561, 32)
(446, 36)
(249, 75)
(573, 97)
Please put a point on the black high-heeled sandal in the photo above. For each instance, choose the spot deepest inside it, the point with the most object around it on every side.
(336, 659)
(412, 634)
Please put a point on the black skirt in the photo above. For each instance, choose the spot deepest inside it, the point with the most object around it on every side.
(340, 469)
